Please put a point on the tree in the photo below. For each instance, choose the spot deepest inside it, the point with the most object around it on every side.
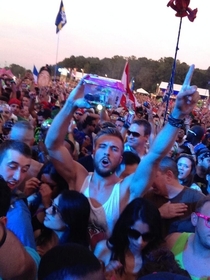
(17, 70)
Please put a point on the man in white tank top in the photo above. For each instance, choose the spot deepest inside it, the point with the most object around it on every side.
(108, 149)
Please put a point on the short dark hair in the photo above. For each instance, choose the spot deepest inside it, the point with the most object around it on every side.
(201, 202)
(88, 121)
(68, 260)
(5, 196)
(45, 113)
(15, 145)
(145, 124)
(130, 158)
(168, 163)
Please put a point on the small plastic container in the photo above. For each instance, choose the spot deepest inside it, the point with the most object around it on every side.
(104, 91)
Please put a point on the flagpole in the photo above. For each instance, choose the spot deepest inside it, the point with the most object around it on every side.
(171, 83)
(56, 59)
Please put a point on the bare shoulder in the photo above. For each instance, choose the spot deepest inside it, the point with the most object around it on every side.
(171, 239)
(125, 183)
(102, 252)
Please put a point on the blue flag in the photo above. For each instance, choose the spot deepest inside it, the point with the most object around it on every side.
(61, 18)
(35, 74)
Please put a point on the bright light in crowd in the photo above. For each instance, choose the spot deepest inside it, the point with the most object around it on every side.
(99, 107)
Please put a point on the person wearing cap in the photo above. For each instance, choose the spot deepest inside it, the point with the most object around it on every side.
(193, 141)
(202, 169)
(14, 104)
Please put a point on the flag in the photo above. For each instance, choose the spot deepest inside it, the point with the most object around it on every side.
(125, 80)
(61, 18)
(35, 74)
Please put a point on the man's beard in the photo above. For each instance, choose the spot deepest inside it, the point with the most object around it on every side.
(103, 173)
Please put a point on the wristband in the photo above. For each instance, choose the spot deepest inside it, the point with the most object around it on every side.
(4, 235)
(175, 122)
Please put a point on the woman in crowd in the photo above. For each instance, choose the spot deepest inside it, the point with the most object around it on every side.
(41, 190)
(136, 233)
(66, 220)
(186, 167)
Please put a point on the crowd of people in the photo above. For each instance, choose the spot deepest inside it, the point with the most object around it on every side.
(116, 193)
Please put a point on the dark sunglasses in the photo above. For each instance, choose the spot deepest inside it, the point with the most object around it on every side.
(55, 209)
(135, 234)
(135, 134)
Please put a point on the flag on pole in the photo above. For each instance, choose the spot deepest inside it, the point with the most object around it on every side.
(35, 74)
(61, 18)
(125, 80)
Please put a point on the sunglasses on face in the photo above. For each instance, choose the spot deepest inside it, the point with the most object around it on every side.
(134, 134)
(80, 114)
(55, 209)
(206, 218)
(135, 234)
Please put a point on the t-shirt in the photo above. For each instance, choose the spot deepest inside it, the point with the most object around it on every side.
(178, 249)
(180, 223)
(35, 256)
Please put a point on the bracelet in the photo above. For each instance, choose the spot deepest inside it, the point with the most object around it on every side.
(175, 122)
(4, 235)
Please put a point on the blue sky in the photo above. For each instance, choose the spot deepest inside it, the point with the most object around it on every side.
(101, 29)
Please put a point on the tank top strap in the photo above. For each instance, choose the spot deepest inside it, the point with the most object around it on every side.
(86, 183)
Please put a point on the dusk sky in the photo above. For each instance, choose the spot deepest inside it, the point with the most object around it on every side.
(101, 29)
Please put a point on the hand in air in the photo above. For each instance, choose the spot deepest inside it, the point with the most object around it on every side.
(187, 97)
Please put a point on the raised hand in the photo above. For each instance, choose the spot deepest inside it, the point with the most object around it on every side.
(77, 95)
(187, 97)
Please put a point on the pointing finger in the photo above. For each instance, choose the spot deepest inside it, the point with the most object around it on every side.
(188, 77)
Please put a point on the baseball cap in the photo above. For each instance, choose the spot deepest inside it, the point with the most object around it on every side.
(204, 152)
(14, 101)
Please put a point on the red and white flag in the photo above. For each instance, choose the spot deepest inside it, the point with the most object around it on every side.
(128, 97)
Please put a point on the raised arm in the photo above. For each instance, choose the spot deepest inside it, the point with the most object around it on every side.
(72, 171)
(185, 102)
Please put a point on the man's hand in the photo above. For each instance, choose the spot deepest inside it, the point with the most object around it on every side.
(170, 210)
(187, 97)
(77, 95)
(111, 268)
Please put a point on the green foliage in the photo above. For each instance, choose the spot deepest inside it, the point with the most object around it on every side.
(147, 73)
(17, 70)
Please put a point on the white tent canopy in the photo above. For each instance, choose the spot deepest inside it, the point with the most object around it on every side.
(141, 90)
(202, 92)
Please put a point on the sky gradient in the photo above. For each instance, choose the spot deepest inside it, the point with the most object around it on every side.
(101, 29)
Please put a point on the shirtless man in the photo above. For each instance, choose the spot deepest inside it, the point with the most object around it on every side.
(107, 194)
(192, 250)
